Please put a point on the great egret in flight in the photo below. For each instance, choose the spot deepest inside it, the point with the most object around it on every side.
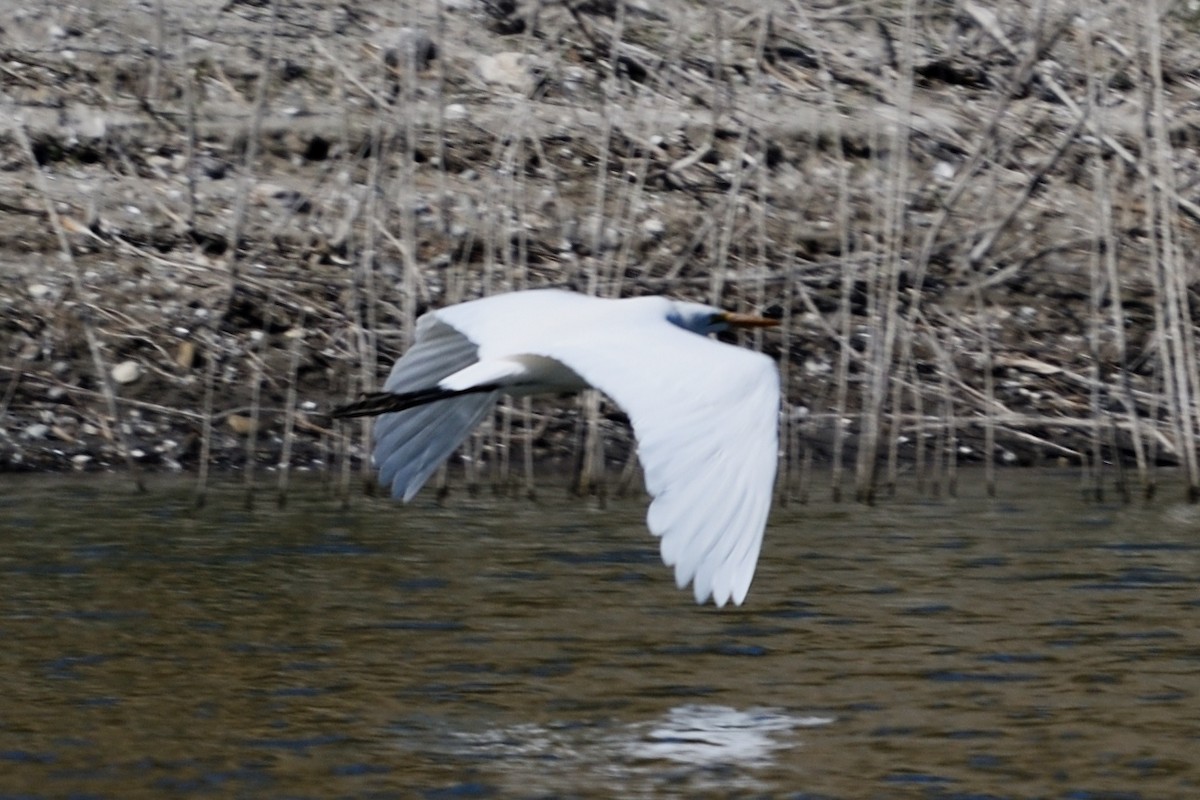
(705, 413)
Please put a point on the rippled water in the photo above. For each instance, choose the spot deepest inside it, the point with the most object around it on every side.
(1031, 646)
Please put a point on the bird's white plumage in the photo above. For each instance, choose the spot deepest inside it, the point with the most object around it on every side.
(705, 413)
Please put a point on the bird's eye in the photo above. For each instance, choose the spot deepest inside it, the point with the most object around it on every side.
(716, 319)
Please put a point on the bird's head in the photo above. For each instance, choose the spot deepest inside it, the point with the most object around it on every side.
(702, 319)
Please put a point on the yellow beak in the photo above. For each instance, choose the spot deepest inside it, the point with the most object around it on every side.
(747, 320)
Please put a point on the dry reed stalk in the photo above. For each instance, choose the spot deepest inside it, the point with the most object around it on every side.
(364, 295)
(729, 226)
(788, 435)
(592, 279)
(1107, 243)
(439, 138)
(475, 460)
(1121, 480)
(609, 262)
(989, 392)
(871, 393)
(190, 165)
(325, 455)
(763, 240)
(942, 435)
(1178, 331)
(502, 480)
(206, 425)
(406, 198)
(591, 474)
(156, 64)
(1117, 308)
(805, 477)
(16, 372)
(527, 449)
(1096, 281)
(874, 372)
(1096, 294)
(520, 280)
(514, 277)
(296, 338)
(346, 474)
(946, 449)
(250, 156)
(441, 480)
(899, 330)
(918, 400)
(256, 378)
(85, 308)
(1176, 339)
(625, 483)
(620, 260)
(848, 277)
(895, 431)
(952, 428)
(746, 167)
(884, 286)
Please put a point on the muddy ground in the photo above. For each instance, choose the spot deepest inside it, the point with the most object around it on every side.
(373, 160)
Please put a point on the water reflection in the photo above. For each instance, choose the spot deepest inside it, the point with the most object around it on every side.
(1033, 646)
(709, 736)
(700, 746)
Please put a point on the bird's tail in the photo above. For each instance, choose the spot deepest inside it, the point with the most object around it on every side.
(374, 403)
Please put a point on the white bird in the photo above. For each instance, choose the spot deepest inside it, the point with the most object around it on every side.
(705, 413)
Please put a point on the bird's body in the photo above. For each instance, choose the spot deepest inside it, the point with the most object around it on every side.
(705, 413)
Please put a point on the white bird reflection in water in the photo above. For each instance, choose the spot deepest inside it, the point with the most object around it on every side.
(708, 735)
(697, 745)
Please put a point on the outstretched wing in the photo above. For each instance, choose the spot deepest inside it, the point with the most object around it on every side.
(706, 417)
(411, 444)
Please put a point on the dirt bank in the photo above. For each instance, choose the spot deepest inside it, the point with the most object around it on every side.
(972, 216)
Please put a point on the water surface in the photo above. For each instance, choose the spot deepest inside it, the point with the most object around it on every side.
(1030, 646)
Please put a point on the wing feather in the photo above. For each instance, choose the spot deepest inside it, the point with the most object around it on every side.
(438, 350)
(706, 419)
(411, 444)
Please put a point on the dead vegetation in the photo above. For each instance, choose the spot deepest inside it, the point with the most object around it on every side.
(974, 218)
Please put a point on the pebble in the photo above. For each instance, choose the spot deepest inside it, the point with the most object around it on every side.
(241, 425)
(506, 69)
(37, 431)
(126, 372)
(185, 355)
(91, 127)
(654, 227)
